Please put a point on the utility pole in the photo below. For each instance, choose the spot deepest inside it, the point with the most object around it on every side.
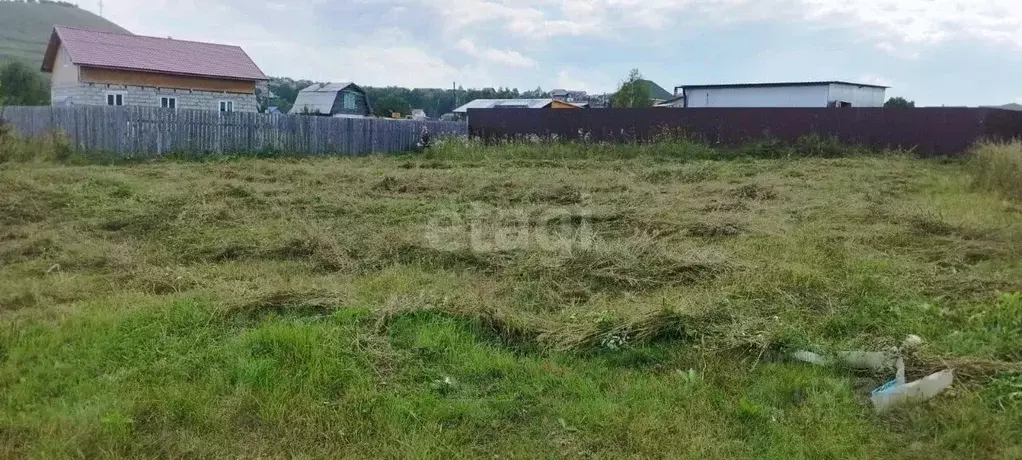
(100, 8)
(454, 87)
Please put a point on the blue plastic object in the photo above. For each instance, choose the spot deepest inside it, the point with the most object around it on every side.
(887, 386)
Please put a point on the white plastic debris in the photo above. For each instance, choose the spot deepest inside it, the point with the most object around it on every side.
(871, 360)
(911, 342)
(810, 357)
(899, 377)
(893, 394)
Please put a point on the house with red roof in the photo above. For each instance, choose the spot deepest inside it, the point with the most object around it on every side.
(91, 67)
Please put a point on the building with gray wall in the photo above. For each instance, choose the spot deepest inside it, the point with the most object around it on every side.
(797, 94)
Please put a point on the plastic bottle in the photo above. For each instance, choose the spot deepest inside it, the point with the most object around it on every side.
(888, 396)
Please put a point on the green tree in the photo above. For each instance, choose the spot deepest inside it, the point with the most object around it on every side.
(537, 93)
(391, 103)
(899, 103)
(633, 93)
(23, 85)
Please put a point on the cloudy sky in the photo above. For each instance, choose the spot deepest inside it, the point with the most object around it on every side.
(937, 52)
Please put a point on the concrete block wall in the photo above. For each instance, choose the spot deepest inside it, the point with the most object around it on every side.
(95, 94)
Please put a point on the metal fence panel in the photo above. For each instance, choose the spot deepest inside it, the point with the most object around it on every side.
(929, 131)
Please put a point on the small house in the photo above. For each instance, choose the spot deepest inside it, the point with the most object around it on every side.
(91, 67)
(565, 95)
(333, 100)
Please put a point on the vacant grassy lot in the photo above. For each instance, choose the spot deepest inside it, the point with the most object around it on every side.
(499, 303)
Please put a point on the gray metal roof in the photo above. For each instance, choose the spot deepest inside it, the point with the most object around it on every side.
(327, 87)
(319, 97)
(774, 85)
(504, 103)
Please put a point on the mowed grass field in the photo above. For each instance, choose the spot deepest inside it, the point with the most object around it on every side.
(504, 302)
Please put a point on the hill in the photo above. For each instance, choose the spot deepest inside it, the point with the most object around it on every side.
(25, 27)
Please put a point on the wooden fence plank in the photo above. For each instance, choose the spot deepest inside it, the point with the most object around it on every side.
(155, 131)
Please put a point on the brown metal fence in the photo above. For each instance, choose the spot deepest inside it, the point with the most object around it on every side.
(145, 131)
(928, 131)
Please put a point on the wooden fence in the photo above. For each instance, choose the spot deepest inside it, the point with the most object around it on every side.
(149, 131)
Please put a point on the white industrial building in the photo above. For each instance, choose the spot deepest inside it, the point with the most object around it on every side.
(797, 94)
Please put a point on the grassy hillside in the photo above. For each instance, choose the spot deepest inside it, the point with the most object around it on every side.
(25, 28)
(518, 301)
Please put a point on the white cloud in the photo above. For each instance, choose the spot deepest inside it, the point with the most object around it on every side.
(894, 26)
(890, 24)
(508, 58)
(911, 23)
(388, 56)
(575, 80)
(871, 79)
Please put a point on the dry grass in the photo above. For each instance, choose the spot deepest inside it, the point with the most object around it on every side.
(998, 167)
(495, 301)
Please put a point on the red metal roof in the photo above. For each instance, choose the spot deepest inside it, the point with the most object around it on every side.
(95, 48)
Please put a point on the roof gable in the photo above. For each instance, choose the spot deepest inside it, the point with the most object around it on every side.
(329, 87)
(92, 48)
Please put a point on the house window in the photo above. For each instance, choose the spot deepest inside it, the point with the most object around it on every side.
(226, 106)
(115, 99)
(348, 103)
(168, 102)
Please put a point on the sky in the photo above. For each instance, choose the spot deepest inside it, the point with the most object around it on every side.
(935, 52)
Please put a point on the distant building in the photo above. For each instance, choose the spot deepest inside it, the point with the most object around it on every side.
(515, 104)
(797, 94)
(569, 96)
(418, 114)
(600, 101)
(333, 100)
(676, 102)
(90, 67)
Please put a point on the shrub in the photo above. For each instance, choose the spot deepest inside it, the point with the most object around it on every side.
(815, 145)
(997, 167)
(52, 147)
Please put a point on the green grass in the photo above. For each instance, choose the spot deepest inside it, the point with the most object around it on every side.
(405, 307)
